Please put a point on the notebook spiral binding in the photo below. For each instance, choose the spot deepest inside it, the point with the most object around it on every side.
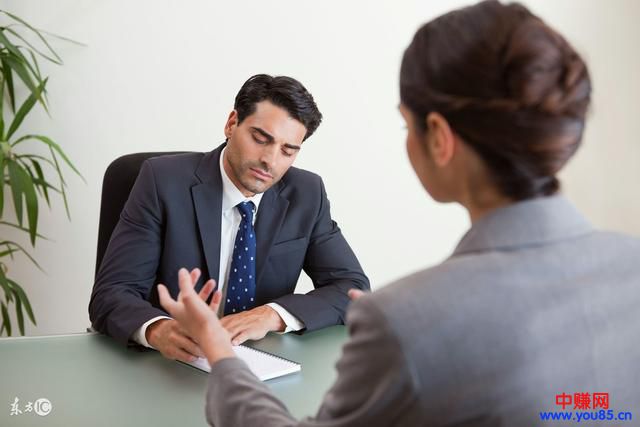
(270, 354)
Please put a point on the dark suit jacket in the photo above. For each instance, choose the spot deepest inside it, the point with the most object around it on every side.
(172, 219)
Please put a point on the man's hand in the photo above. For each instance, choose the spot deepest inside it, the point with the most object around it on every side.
(170, 339)
(252, 324)
(198, 319)
(166, 336)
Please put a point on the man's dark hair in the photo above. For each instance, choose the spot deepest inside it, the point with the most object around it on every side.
(284, 92)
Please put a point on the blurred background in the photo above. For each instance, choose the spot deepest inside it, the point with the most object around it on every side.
(162, 76)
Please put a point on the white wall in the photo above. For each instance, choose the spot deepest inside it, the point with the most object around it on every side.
(162, 75)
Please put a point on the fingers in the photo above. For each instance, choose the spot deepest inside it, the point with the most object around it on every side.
(185, 282)
(228, 321)
(235, 324)
(195, 275)
(215, 301)
(354, 294)
(240, 338)
(250, 332)
(184, 343)
(244, 326)
(206, 289)
(166, 337)
(178, 345)
(165, 299)
(183, 356)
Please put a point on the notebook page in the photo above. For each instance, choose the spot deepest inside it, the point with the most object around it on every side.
(265, 366)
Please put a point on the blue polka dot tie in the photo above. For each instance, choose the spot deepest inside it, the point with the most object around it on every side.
(241, 290)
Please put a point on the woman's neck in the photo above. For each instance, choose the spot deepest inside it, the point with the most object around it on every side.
(483, 198)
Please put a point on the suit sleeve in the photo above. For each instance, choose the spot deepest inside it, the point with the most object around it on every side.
(333, 269)
(374, 385)
(119, 303)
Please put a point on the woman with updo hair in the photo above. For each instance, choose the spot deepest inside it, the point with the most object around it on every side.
(535, 312)
(496, 80)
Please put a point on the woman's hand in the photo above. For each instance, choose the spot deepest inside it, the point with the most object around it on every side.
(197, 318)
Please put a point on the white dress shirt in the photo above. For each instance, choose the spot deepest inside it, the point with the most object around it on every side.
(231, 218)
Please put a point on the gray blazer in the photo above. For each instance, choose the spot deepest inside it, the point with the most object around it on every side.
(533, 303)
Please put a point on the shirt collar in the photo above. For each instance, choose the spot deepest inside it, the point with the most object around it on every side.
(231, 196)
(531, 222)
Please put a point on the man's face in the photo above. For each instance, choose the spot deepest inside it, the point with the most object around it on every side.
(261, 149)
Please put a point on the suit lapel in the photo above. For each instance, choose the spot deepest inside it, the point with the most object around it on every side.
(273, 209)
(207, 202)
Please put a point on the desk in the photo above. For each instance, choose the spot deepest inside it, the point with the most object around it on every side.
(93, 381)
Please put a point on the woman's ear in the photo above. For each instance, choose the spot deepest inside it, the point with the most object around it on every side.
(441, 141)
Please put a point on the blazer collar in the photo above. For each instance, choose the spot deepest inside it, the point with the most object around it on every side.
(208, 170)
(207, 203)
(528, 223)
(273, 209)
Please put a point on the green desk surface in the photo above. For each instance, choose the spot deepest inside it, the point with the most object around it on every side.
(91, 380)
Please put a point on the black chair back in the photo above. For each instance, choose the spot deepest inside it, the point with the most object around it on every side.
(116, 186)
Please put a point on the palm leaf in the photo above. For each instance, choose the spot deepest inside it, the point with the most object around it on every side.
(40, 182)
(16, 188)
(6, 287)
(9, 242)
(41, 179)
(7, 72)
(15, 50)
(62, 183)
(9, 252)
(23, 297)
(54, 147)
(25, 108)
(31, 199)
(2, 102)
(18, 227)
(6, 323)
(2, 164)
(55, 60)
(19, 68)
(37, 32)
(35, 156)
(19, 314)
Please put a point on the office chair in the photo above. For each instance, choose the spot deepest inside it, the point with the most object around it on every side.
(116, 186)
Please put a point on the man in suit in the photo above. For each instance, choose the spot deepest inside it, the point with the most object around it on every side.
(240, 215)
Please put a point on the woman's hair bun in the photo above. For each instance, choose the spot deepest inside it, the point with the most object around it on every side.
(543, 72)
(508, 84)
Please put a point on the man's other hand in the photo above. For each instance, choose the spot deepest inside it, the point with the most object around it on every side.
(252, 324)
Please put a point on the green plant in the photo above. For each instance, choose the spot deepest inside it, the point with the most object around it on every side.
(24, 170)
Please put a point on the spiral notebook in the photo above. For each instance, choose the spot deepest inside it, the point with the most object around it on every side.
(264, 365)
